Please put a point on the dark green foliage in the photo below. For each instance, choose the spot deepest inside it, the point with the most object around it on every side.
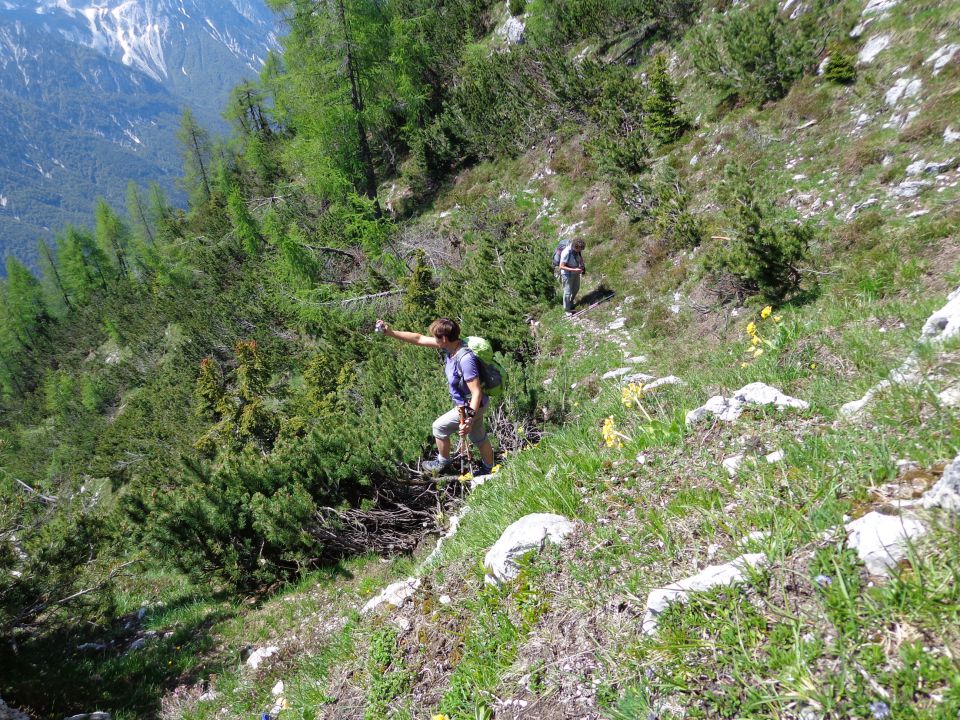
(673, 222)
(561, 22)
(756, 54)
(389, 678)
(517, 7)
(620, 146)
(840, 69)
(764, 250)
(244, 225)
(664, 119)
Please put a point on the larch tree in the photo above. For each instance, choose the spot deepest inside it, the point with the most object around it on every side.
(196, 149)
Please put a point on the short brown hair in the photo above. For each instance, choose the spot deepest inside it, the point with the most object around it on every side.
(579, 244)
(446, 328)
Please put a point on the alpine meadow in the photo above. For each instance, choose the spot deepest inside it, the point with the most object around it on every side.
(243, 460)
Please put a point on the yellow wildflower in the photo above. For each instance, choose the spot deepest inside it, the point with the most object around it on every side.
(495, 469)
(758, 352)
(751, 328)
(766, 312)
(777, 318)
(755, 340)
(466, 477)
(611, 437)
(440, 717)
(631, 395)
(744, 364)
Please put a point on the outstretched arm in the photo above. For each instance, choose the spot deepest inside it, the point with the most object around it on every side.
(407, 337)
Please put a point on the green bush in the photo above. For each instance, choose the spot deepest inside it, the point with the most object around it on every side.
(840, 69)
(755, 54)
(517, 7)
(619, 145)
(764, 251)
(663, 119)
(673, 222)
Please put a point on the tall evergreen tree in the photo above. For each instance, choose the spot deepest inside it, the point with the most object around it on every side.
(81, 264)
(51, 275)
(196, 149)
(27, 311)
(336, 87)
(663, 117)
(113, 236)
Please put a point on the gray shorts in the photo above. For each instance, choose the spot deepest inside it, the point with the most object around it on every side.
(449, 424)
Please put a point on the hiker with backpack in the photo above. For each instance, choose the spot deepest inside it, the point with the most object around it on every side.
(569, 258)
(463, 370)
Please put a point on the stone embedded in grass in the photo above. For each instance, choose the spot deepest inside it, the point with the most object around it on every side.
(529, 533)
(394, 595)
(729, 409)
(617, 324)
(638, 378)
(614, 374)
(903, 89)
(776, 456)
(941, 57)
(9, 713)
(881, 540)
(713, 576)
(950, 135)
(636, 359)
(261, 654)
(873, 47)
(659, 382)
(732, 464)
(941, 326)
(945, 322)
(950, 397)
(946, 492)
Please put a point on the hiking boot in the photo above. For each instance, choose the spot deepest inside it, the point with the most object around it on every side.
(435, 467)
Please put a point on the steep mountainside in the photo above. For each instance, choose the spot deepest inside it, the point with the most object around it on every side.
(93, 96)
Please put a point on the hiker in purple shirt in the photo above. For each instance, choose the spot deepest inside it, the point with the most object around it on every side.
(463, 376)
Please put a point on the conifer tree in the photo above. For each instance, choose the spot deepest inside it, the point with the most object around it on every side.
(51, 275)
(113, 237)
(197, 152)
(138, 211)
(663, 118)
(81, 264)
(244, 225)
(25, 305)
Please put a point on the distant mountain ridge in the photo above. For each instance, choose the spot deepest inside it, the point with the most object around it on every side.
(92, 93)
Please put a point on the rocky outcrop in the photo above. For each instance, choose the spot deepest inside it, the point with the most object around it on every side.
(529, 533)
(941, 326)
(729, 409)
(946, 492)
(9, 713)
(394, 595)
(881, 541)
(713, 576)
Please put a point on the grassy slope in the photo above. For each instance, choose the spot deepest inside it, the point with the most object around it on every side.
(565, 639)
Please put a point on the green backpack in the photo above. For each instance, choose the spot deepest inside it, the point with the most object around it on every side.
(492, 374)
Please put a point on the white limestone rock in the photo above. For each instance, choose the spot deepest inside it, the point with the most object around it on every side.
(636, 359)
(713, 576)
(873, 47)
(950, 135)
(617, 324)
(757, 393)
(638, 378)
(941, 57)
(529, 533)
(277, 689)
(903, 89)
(660, 382)
(944, 324)
(950, 397)
(879, 7)
(394, 595)
(946, 492)
(618, 373)
(732, 464)
(881, 541)
(717, 405)
(776, 456)
(260, 654)
(9, 713)
(512, 31)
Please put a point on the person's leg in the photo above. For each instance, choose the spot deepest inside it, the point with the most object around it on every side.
(566, 280)
(443, 427)
(478, 436)
(574, 289)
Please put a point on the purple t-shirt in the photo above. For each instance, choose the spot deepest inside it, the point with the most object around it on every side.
(467, 363)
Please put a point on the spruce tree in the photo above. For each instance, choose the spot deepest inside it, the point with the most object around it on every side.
(663, 117)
